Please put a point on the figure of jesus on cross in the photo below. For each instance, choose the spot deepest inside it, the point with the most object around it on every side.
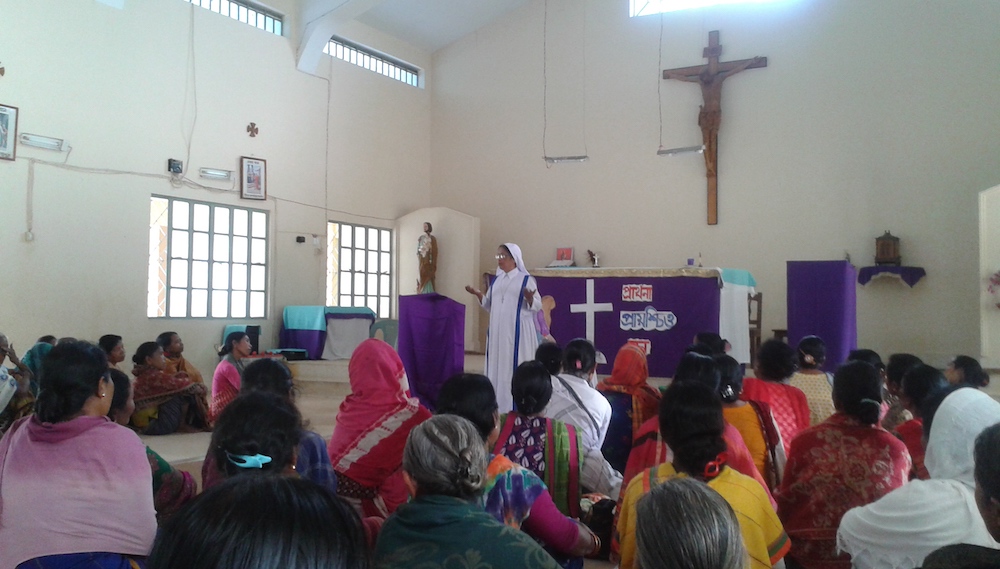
(710, 77)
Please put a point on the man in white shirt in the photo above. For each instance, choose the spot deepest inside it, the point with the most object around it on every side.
(576, 402)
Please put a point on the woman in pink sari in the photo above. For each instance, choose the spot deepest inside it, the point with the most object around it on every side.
(372, 425)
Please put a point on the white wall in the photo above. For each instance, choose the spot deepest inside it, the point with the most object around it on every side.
(120, 86)
(870, 116)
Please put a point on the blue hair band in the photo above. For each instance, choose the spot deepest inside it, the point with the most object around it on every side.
(248, 461)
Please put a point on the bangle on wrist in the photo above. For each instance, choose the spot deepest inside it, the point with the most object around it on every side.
(597, 544)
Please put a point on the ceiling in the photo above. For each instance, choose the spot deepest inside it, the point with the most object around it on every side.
(433, 24)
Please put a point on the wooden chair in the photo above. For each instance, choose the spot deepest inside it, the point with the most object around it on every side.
(754, 308)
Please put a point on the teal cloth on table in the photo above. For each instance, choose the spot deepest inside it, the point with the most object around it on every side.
(350, 310)
(314, 317)
(738, 277)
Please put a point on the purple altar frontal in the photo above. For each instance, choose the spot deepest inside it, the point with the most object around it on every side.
(431, 342)
(660, 310)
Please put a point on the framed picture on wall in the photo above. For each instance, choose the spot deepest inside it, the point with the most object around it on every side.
(8, 132)
(253, 178)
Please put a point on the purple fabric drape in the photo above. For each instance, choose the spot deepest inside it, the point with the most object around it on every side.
(822, 301)
(675, 309)
(909, 275)
(311, 341)
(431, 342)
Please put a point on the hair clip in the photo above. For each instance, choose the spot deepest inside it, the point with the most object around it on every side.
(872, 401)
(714, 467)
(728, 392)
(248, 461)
(579, 364)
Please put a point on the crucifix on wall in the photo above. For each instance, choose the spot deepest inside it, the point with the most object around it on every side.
(710, 77)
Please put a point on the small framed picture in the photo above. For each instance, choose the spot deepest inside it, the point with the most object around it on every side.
(253, 178)
(8, 132)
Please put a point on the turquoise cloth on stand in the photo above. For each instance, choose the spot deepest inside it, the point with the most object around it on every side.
(314, 317)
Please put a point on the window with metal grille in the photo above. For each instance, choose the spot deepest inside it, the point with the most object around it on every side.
(359, 267)
(206, 260)
(255, 16)
(649, 7)
(373, 61)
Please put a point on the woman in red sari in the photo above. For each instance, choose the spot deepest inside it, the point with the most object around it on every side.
(774, 366)
(372, 425)
(165, 403)
(846, 461)
(632, 400)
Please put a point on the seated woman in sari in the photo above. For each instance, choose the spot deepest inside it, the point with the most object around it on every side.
(165, 403)
(33, 358)
(649, 448)
(114, 348)
(987, 476)
(172, 488)
(691, 423)
(75, 486)
(173, 350)
(774, 365)
(753, 420)
(632, 400)
(228, 374)
(812, 380)
(704, 530)
(514, 495)
(844, 462)
(549, 448)
(372, 425)
(263, 521)
(907, 524)
(918, 385)
(444, 525)
(18, 399)
(312, 461)
(966, 370)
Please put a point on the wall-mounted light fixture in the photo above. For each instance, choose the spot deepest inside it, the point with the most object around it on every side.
(39, 141)
(562, 159)
(215, 174)
(683, 150)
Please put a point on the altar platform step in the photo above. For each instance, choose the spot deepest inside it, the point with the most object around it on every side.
(335, 371)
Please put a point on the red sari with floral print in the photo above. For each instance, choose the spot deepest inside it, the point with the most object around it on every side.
(834, 466)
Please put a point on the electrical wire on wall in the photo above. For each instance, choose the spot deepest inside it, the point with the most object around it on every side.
(187, 132)
(659, 82)
(550, 160)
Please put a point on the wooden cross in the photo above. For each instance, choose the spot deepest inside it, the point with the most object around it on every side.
(710, 77)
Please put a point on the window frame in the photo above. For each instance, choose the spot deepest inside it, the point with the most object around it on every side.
(211, 260)
(335, 298)
(243, 11)
(374, 61)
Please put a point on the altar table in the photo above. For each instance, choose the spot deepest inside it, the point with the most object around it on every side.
(660, 310)
(325, 332)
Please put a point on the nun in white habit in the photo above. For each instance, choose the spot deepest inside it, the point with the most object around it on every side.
(903, 527)
(512, 301)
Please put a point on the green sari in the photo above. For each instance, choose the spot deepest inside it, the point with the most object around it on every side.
(442, 532)
(550, 449)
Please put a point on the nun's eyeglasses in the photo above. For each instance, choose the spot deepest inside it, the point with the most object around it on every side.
(502, 256)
